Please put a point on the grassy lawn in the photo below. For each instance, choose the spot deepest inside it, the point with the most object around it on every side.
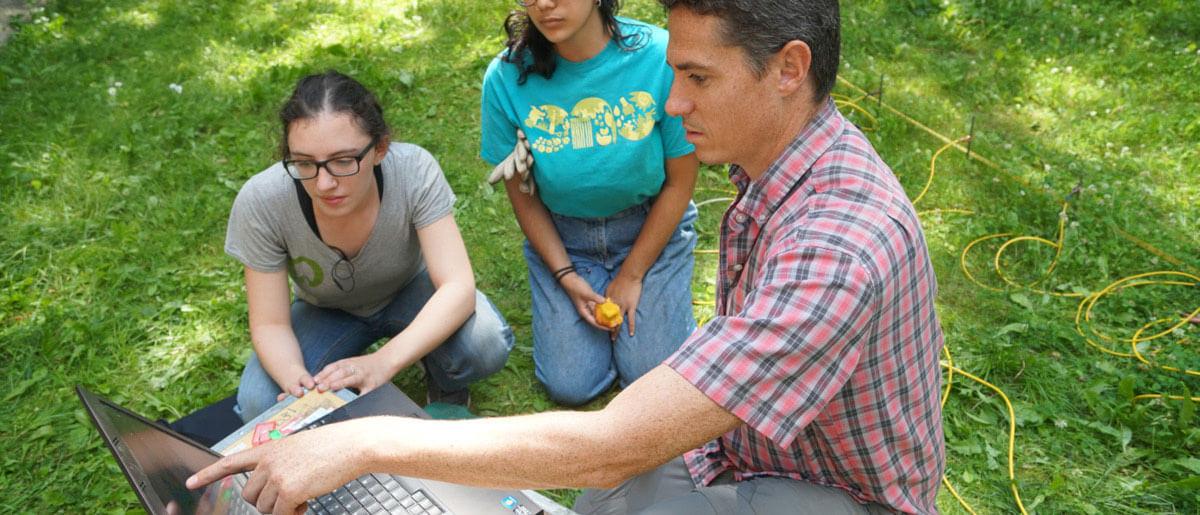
(127, 127)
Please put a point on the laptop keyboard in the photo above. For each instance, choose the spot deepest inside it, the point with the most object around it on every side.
(367, 495)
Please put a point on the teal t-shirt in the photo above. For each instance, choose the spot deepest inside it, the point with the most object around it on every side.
(598, 128)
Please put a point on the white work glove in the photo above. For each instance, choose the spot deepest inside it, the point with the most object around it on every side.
(519, 162)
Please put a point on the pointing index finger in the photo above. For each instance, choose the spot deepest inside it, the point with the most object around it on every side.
(232, 464)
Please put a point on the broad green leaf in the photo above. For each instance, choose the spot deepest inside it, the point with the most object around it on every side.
(1189, 463)
(984, 417)
(1187, 410)
(1022, 300)
(1190, 483)
(1019, 328)
(21, 387)
(1125, 389)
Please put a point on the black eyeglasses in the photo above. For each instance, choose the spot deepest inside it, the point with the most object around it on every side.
(305, 169)
(343, 271)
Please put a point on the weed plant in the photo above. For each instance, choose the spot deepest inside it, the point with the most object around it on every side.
(127, 127)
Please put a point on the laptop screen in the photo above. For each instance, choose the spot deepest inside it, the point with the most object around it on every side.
(158, 463)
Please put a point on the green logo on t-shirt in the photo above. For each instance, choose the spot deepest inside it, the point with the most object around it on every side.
(311, 276)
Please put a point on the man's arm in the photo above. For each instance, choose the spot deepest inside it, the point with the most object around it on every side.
(656, 418)
(659, 417)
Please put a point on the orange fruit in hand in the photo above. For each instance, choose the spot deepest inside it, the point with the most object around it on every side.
(608, 314)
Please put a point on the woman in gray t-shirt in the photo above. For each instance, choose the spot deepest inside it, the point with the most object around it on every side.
(364, 228)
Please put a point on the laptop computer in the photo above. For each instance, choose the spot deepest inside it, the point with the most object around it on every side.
(157, 461)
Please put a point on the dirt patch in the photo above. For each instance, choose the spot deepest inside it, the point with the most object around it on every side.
(9, 9)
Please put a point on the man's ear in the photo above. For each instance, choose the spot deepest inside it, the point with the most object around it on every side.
(794, 61)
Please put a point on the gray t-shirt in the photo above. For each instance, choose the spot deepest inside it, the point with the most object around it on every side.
(267, 232)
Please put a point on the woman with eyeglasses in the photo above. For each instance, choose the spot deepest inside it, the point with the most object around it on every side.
(363, 227)
(607, 209)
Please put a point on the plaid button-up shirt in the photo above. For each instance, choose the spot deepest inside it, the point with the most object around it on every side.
(825, 340)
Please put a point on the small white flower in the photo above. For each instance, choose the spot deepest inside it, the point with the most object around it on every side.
(1022, 193)
(1069, 69)
(1054, 70)
(1074, 225)
(1060, 423)
(1092, 114)
(995, 179)
(175, 87)
(1046, 166)
(112, 91)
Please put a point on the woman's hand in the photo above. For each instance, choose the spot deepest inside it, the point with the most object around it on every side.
(364, 373)
(296, 387)
(583, 297)
(626, 292)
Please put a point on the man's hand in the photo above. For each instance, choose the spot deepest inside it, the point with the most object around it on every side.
(362, 372)
(626, 292)
(518, 163)
(287, 473)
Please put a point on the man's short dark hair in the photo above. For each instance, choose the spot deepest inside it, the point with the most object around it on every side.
(762, 27)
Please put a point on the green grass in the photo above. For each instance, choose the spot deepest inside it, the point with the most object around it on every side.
(113, 201)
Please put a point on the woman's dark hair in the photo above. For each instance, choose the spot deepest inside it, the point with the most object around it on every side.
(332, 92)
(524, 39)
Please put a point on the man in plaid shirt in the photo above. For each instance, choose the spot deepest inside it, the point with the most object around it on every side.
(813, 390)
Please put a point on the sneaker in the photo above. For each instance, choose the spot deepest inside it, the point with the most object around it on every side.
(443, 411)
(442, 405)
(433, 393)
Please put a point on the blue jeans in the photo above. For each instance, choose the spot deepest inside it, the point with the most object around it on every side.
(478, 349)
(577, 362)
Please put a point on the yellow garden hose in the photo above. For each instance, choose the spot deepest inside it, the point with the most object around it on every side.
(1012, 431)
(933, 165)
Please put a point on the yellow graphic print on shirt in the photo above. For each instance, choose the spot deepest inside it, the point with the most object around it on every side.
(591, 122)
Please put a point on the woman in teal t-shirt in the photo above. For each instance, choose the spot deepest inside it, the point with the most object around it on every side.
(609, 212)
